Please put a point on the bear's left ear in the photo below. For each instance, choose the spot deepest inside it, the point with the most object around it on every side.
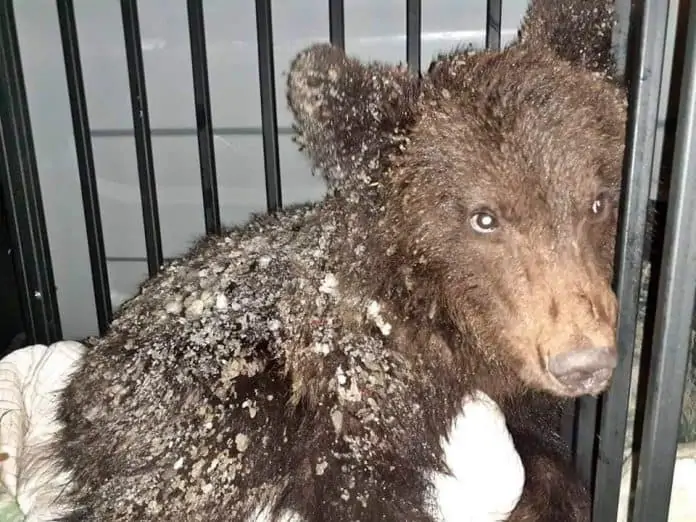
(349, 116)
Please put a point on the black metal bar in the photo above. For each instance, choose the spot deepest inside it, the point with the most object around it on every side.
(669, 105)
(494, 13)
(413, 35)
(85, 162)
(269, 116)
(645, 86)
(675, 305)
(141, 130)
(337, 25)
(21, 190)
(204, 121)
(585, 439)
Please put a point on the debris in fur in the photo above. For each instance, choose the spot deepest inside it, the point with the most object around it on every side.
(310, 361)
(374, 313)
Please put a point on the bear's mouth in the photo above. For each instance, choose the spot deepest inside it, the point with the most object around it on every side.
(586, 384)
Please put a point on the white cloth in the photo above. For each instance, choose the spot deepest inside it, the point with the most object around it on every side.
(30, 379)
(487, 475)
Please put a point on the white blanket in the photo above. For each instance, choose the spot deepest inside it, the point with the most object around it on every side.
(29, 381)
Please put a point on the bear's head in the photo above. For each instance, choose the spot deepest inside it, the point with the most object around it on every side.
(496, 177)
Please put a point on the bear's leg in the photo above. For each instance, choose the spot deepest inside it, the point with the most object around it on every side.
(552, 490)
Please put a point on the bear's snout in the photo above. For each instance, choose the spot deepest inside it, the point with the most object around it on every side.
(579, 347)
(563, 328)
(583, 370)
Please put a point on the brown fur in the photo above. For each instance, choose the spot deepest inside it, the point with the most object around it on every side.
(522, 133)
(534, 133)
(579, 31)
(362, 374)
(537, 161)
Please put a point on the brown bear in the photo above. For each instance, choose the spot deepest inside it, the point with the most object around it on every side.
(312, 361)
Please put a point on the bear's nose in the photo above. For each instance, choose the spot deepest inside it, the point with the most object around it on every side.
(583, 370)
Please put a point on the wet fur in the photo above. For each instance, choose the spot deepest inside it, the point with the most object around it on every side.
(311, 361)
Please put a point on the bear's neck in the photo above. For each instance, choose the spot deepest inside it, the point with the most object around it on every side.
(373, 270)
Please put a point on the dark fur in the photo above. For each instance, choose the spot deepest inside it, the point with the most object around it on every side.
(578, 31)
(242, 374)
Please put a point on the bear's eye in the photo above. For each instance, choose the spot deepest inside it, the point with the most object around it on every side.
(483, 222)
(600, 207)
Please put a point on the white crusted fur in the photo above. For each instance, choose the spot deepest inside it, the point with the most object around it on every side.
(484, 486)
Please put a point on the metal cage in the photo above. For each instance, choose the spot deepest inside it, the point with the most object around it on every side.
(661, 72)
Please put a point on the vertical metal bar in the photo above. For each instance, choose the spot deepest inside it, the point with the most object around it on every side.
(141, 129)
(337, 25)
(674, 316)
(645, 86)
(85, 162)
(620, 35)
(269, 116)
(669, 99)
(413, 35)
(19, 177)
(494, 13)
(204, 121)
(585, 439)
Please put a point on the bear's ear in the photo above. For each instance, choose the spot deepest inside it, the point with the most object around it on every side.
(349, 116)
(578, 31)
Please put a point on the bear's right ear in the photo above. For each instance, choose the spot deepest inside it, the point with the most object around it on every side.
(349, 116)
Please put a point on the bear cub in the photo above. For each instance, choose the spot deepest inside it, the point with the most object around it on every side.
(308, 365)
